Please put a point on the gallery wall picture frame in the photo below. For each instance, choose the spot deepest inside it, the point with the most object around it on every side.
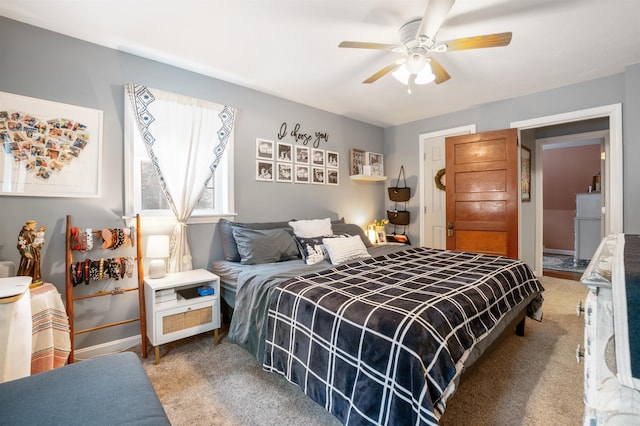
(264, 149)
(333, 176)
(357, 161)
(302, 154)
(332, 159)
(285, 152)
(376, 162)
(49, 149)
(525, 172)
(264, 171)
(318, 175)
(285, 172)
(302, 173)
(317, 157)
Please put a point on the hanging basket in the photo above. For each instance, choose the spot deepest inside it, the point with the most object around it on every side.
(398, 217)
(399, 193)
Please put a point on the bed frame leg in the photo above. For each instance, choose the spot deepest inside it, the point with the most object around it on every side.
(520, 327)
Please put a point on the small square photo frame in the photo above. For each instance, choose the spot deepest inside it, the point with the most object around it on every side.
(318, 175)
(332, 176)
(376, 162)
(317, 157)
(285, 152)
(264, 149)
(302, 154)
(332, 159)
(285, 172)
(302, 173)
(264, 171)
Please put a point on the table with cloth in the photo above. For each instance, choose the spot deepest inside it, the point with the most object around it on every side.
(34, 330)
(51, 343)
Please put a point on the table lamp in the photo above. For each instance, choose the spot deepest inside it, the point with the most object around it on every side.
(157, 252)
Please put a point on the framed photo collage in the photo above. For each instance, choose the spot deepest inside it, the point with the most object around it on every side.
(284, 162)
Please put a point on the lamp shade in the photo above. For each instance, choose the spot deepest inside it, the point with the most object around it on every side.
(157, 251)
(401, 74)
(425, 76)
(157, 246)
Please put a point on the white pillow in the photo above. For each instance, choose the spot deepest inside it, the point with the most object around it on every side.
(311, 228)
(343, 250)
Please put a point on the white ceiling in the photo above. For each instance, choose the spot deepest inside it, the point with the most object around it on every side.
(289, 48)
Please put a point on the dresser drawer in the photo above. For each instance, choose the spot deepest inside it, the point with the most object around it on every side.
(184, 321)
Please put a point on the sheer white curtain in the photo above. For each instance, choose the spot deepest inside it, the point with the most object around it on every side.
(185, 138)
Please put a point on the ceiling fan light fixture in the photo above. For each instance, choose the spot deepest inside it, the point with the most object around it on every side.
(425, 76)
(416, 62)
(418, 42)
(402, 74)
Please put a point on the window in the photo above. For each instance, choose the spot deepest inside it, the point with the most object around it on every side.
(144, 195)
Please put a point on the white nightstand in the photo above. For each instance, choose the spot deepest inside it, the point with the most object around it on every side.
(175, 310)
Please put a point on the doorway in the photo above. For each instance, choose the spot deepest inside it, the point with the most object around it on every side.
(572, 198)
(612, 219)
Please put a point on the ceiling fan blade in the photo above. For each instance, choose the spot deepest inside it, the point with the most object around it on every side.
(384, 71)
(478, 42)
(366, 45)
(434, 15)
(439, 71)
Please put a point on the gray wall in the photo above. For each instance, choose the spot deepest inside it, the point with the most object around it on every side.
(46, 65)
(402, 145)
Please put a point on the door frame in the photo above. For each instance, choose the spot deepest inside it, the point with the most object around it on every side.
(573, 139)
(614, 213)
(422, 144)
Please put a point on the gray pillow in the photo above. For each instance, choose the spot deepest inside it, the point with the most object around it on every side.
(257, 246)
(351, 229)
(229, 246)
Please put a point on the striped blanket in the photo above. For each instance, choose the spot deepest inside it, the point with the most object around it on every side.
(51, 343)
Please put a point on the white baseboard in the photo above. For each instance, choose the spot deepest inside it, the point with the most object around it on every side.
(558, 251)
(106, 348)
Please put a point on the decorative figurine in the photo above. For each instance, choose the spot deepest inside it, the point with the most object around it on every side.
(30, 242)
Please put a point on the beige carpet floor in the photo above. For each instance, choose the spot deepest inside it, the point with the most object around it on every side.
(530, 380)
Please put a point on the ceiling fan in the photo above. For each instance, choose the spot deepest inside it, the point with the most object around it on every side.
(418, 42)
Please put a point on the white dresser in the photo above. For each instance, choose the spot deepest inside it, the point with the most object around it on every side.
(607, 400)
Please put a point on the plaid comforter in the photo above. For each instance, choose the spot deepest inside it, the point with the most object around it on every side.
(380, 341)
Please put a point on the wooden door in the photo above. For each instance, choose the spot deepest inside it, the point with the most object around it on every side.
(483, 192)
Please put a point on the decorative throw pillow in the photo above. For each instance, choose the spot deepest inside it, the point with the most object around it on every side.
(312, 249)
(311, 228)
(343, 250)
(265, 246)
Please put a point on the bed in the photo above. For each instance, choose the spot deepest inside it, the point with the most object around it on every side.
(379, 339)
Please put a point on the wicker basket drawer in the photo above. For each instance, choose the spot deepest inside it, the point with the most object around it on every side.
(186, 320)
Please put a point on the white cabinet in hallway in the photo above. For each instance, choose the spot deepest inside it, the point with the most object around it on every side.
(587, 225)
